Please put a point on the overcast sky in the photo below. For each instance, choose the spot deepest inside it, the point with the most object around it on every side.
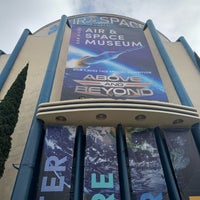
(173, 18)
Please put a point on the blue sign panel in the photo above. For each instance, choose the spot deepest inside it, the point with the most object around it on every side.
(107, 62)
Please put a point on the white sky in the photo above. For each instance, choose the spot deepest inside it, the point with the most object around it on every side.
(173, 18)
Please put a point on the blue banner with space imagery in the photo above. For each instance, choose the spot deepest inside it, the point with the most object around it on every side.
(146, 172)
(56, 165)
(101, 179)
(111, 62)
(101, 175)
(185, 160)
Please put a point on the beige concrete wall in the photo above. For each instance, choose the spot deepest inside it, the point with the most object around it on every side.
(3, 60)
(60, 70)
(36, 51)
(188, 72)
(171, 92)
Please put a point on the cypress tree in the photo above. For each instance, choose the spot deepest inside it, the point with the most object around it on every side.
(9, 109)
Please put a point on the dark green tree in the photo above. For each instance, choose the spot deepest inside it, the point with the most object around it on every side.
(9, 109)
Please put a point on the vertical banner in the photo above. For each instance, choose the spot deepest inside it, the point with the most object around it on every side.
(185, 160)
(101, 179)
(146, 173)
(111, 62)
(56, 165)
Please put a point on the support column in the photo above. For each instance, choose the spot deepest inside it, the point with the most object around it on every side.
(124, 180)
(196, 134)
(170, 179)
(11, 60)
(78, 164)
(178, 85)
(189, 51)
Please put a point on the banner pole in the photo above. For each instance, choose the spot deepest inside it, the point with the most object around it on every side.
(170, 179)
(78, 164)
(125, 188)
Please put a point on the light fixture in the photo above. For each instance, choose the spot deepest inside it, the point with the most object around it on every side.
(61, 118)
(140, 117)
(178, 121)
(101, 116)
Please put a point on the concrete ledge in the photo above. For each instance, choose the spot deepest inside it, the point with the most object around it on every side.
(110, 112)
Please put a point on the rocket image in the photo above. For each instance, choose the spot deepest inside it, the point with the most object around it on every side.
(106, 55)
